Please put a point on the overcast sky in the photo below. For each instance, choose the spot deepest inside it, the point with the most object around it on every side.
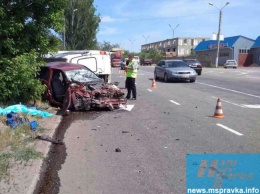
(131, 22)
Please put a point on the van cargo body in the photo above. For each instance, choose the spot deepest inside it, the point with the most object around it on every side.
(97, 61)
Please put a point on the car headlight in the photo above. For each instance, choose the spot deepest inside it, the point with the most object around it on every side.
(193, 72)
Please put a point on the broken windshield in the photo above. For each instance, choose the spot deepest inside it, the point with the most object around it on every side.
(81, 75)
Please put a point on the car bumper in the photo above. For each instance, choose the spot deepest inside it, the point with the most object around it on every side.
(116, 65)
(230, 65)
(197, 69)
(181, 77)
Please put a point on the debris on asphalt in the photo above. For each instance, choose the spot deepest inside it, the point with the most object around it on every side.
(125, 131)
(177, 139)
(94, 129)
(117, 150)
(49, 139)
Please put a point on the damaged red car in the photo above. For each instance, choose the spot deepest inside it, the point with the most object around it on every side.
(75, 87)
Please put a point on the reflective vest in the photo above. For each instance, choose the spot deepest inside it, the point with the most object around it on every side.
(131, 72)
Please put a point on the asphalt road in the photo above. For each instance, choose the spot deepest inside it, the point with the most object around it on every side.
(164, 125)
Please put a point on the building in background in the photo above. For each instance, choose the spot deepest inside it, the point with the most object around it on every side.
(181, 46)
(235, 47)
(255, 50)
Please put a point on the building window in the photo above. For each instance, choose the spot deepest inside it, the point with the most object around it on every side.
(243, 51)
(223, 54)
(192, 42)
(173, 49)
(185, 41)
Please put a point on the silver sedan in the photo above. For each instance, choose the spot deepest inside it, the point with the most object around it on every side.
(174, 70)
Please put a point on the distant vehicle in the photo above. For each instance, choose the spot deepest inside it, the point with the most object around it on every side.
(231, 63)
(123, 63)
(147, 62)
(136, 59)
(97, 61)
(174, 70)
(194, 64)
(116, 62)
(79, 86)
(116, 58)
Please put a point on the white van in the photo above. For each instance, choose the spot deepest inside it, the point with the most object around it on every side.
(136, 59)
(95, 60)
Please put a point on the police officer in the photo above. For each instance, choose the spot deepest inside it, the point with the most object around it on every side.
(131, 72)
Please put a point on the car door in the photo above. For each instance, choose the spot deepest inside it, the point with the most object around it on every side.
(162, 69)
(158, 69)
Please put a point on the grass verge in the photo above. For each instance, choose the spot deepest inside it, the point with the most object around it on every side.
(17, 145)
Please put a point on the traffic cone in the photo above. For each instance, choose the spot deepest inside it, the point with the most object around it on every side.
(153, 84)
(218, 112)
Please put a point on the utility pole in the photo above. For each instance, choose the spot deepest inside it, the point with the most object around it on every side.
(173, 29)
(219, 29)
(72, 20)
(132, 42)
(64, 33)
(146, 38)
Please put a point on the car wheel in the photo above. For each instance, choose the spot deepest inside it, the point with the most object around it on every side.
(199, 73)
(225, 67)
(155, 76)
(166, 77)
(192, 80)
(234, 67)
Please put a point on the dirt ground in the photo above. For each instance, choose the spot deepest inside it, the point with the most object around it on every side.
(24, 176)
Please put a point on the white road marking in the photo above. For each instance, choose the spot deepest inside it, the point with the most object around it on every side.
(242, 74)
(128, 107)
(231, 130)
(149, 90)
(251, 105)
(174, 102)
(229, 102)
(229, 90)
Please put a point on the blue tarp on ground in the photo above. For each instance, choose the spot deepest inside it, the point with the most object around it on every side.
(24, 109)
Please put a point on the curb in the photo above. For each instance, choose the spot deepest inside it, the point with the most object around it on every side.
(42, 165)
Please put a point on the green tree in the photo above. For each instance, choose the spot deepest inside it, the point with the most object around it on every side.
(26, 33)
(107, 46)
(81, 25)
(151, 53)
